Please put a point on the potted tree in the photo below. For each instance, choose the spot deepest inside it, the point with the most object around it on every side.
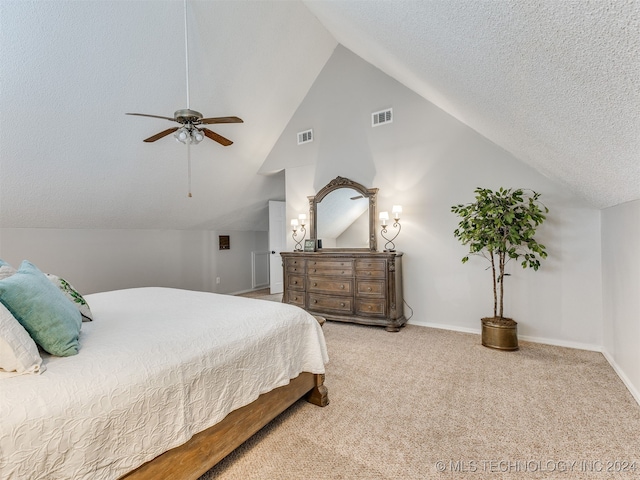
(500, 226)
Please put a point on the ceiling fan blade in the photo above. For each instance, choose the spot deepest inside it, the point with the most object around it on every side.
(158, 136)
(215, 137)
(209, 121)
(153, 116)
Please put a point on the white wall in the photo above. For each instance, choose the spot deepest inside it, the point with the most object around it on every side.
(95, 260)
(427, 161)
(298, 185)
(621, 287)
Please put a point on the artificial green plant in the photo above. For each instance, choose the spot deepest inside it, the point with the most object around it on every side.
(500, 226)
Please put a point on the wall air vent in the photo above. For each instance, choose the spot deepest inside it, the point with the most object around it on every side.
(382, 117)
(305, 137)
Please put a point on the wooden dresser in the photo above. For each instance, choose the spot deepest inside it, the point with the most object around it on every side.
(359, 287)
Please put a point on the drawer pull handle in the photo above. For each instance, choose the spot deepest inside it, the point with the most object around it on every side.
(315, 270)
(368, 273)
(342, 304)
(315, 301)
(342, 287)
(369, 289)
(343, 272)
(370, 307)
(295, 282)
(315, 284)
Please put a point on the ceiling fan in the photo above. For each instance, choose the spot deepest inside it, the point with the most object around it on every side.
(191, 130)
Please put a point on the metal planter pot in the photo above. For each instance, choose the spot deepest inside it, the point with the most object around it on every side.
(500, 333)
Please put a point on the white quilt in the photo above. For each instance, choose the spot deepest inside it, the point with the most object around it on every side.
(156, 366)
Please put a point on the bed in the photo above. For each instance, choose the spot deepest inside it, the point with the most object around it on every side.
(166, 383)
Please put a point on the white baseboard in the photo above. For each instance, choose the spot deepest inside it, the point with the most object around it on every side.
(526, 338)
(561, 343)
(240, 292)
(443, 326)
(632, 389)
(546, 341)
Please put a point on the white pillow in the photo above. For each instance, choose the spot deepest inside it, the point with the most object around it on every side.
(18, 352)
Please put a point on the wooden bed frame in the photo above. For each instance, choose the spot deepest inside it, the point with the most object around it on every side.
(192, 459)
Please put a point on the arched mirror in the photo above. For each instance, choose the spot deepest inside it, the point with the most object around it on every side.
(342, 215)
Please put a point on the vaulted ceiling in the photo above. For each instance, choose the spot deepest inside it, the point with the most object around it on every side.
(70, 156)
(555, 83)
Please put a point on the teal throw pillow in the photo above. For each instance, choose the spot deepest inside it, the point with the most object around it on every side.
(42, 309)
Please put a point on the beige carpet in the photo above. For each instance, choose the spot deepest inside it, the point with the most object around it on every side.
(426, 403)
(263, 294)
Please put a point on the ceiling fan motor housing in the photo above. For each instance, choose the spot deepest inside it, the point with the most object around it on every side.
(187, 116)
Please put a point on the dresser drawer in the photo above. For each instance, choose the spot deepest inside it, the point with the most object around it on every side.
(369, 264)
(295, 282)
(371, 268)
(370, 307)
(337, 286)
(295, 262)
(335, 263)
(338, 272)
(296, 269)
(370, 274)
(295, 297)
(340, 268)
(373, 288)
(329, 303)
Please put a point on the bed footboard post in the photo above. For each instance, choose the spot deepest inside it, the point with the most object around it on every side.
(318, 395)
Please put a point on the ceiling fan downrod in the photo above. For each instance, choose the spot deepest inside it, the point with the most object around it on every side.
(186, 53)
(191, 121)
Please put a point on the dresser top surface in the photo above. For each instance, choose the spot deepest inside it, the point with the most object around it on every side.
(342, 253)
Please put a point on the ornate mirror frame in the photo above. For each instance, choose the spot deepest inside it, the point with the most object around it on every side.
(335, 184)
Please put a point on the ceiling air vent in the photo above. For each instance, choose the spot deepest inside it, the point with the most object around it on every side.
(382, 117)
(305, 137)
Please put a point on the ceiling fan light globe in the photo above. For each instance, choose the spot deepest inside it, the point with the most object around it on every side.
(197, 136)
(182, 135)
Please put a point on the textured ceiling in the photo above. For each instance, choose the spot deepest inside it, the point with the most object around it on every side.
(554, 82)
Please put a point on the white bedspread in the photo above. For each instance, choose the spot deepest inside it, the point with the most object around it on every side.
(156, 366)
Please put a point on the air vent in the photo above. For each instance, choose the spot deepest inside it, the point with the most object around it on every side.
(305, 137)
(382, 117)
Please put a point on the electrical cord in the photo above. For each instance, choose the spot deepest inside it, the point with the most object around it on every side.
(409, 307)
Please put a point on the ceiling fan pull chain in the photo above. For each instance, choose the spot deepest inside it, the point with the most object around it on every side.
(186, 51)
(189, 165)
